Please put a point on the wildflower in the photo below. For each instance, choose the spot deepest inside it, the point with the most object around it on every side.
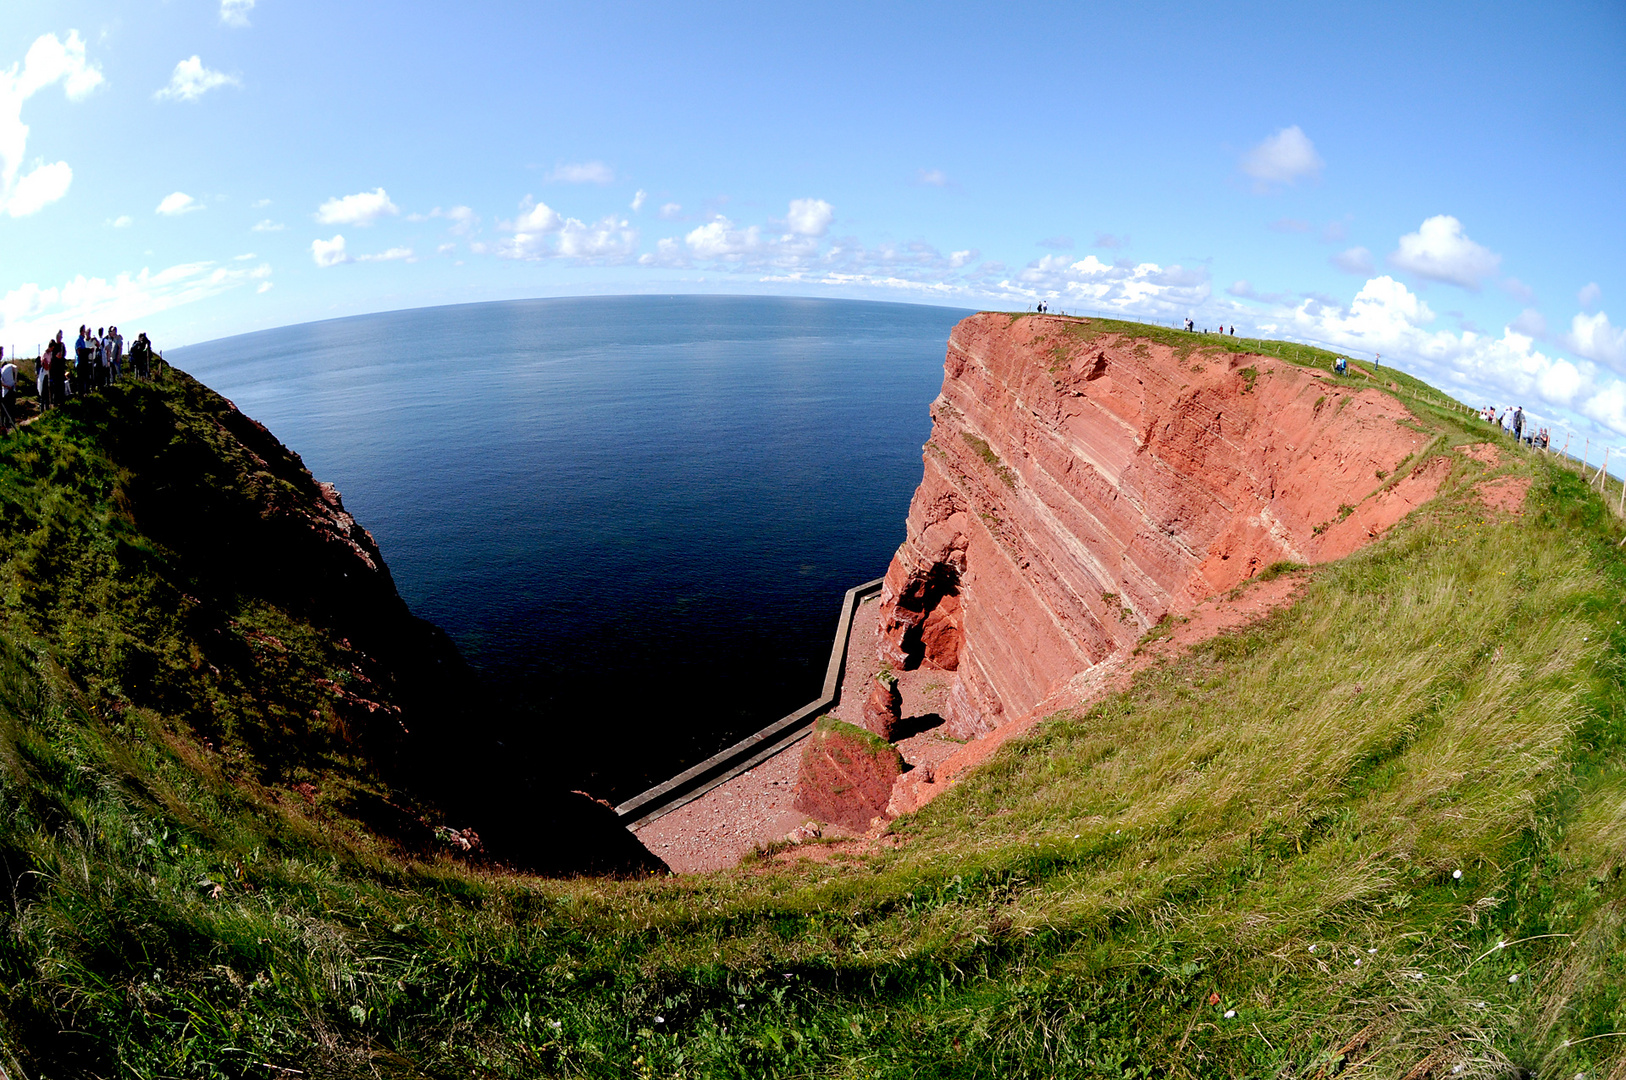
(1369, 952)
(741, 1008)
(1513, 978)
(1312, 948)
(555, 1024)
(660, 1019)
(1456, 875)
(1357, 963)
(1230, 1014)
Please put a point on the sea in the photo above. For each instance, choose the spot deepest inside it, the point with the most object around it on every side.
(636, 516)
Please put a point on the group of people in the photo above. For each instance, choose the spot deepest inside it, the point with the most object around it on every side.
(1191, 328)
(99, 360)
(1514, 420)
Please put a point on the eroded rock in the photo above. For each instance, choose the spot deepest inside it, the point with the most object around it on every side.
(846, 775)
(883, 712)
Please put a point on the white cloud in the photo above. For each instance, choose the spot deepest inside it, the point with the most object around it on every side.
(958, 259)
(605, 239)
(1440, 251)
(235, 13)
(810, 217)
(1334, 232)
(445, 249)
(719, 239)
(34, 313)
(1592, 337)
(1143, 289)
(464, 220)
(392, 255)
(1357, 260)
(48, 62)
(1111, 241)
(259, 204)
(362, 208)
(329, 252)
(267, 226)
(671, 211)
(39, 189)
(538, 217)
(265, 287)
(242, 258)
(1285, 158)
(932, 178)
(1057, 243)
(638, 200)
(586, 172)
(1386, 317)
(541, 232)
(177, 203)
(1589, 296)
(123, 221)
(191, 80)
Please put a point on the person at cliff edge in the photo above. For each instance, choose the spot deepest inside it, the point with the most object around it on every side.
(59, 372)
(8, 390)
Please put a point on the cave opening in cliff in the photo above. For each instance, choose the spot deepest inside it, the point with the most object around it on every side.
(935, 640)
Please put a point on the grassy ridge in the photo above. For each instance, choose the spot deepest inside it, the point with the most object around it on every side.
(1276, 820)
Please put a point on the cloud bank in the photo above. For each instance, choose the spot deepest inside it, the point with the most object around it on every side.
(49, 61)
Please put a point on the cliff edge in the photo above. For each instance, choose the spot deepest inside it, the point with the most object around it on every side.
(1083, 482)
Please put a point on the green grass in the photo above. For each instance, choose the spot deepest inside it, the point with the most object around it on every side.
(1276, 818)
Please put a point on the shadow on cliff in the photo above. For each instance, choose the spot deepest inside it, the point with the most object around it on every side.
(232, 521)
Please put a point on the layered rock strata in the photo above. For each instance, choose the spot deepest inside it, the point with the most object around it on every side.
(1080, 485)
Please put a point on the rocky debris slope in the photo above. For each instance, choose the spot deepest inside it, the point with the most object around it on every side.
(1081, 485)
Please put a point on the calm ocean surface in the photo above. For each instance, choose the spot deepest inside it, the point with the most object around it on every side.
(636, 516)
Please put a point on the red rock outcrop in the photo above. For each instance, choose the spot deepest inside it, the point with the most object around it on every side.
(846, 774)
(1079, 485)
(883, 712)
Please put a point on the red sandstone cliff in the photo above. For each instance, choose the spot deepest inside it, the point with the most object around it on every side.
(1081, 485)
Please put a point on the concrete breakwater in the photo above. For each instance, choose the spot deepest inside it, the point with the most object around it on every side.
(754, 749)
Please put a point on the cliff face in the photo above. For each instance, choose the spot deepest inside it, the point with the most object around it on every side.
(177, 563)
(1081, 485)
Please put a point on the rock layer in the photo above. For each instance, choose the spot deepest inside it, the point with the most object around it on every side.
(1082, 484)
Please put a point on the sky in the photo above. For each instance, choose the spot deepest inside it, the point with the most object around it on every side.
(1441, 184)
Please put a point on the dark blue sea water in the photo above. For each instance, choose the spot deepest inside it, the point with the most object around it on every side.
(636, 516)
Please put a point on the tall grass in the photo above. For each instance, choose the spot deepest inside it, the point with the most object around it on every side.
(1367, 814)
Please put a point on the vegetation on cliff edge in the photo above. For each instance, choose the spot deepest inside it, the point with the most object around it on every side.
(1386, 826)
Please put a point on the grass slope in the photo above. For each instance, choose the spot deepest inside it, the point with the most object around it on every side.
(1244, 865)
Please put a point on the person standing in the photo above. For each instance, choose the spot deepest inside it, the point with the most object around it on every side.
(59, 372)
(1518, 424)
(8, 390)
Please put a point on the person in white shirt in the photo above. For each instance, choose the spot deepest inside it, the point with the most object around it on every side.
(8, 390)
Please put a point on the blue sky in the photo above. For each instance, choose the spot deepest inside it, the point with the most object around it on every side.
(1440, 183)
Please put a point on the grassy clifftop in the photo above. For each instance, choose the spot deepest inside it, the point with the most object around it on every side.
(1384, 828)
